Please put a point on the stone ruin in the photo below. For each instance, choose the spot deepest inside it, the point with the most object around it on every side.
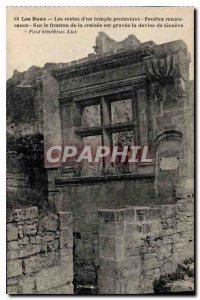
(123, 227)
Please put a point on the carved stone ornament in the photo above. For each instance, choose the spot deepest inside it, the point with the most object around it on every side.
(158, 93)
(179, 87)
(161, 68)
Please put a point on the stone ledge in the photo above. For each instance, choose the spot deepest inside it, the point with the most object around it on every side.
(105, 178)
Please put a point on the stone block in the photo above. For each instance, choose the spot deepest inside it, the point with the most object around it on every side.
(49, 223)
(14, 268)
(25, 214)
(65, 220)
(12, 232)
(12, 245)
(111, 229)
(29, 249)
(12, 254)
(12, 281)
(111, 268)
(119, 215)
(106, 216)
(67, 289)
(141, 214)
(37, 262)
(133, 286)
(66, 239)
(106, 247)
(182, 286)
(53, 277)
(149, 264)
(30, 229)
(23, 241)
(130, 215)
(12, 290)
(9, 216)
(109, 285)
(133, 266)
(146, 228)
(26, 285)
(154, 213)
(66, 251)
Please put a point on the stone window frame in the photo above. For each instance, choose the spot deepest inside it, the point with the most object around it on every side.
(107, 127)
(135, 88)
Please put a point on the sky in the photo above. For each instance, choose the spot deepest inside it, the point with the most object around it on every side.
(25, 50)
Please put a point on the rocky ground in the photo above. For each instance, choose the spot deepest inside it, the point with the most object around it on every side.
(182, 281)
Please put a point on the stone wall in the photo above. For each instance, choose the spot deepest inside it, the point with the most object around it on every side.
(138, 244)
(39, 252)
(83, 199)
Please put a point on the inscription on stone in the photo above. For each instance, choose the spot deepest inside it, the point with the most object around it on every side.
(169, 163)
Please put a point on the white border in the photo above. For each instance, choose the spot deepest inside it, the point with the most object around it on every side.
(3, 4)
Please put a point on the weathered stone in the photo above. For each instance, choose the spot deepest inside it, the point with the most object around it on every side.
(9, 216)
(130, 214)
(25, 214)
(12, 281)
(109, 285)
(182, 286)
(12, 254)
(146, 228)
(30, 229)
(37, 262)
(106, 215)
(12, 290)
(150, 264)
(111, 268)
(67, 289)
(12, 232)
(29, 250)
(26, 285)
(23, 241)
(48, 223)
(53, 277)
(107, 247)
(133, 266)
(133, 285)
(66, 239)
(141, 214)
(65, 220)
(14, 268)
(12, 245)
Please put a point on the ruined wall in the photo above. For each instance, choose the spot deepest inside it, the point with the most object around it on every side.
(39, 252)
(138, 244)
(83, 200)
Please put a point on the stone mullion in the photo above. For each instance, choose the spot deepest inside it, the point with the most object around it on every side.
(142, 115)
(135, 117)
(106, 138)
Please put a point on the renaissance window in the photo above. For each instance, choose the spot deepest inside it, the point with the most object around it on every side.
(121, 111)
(91, 116)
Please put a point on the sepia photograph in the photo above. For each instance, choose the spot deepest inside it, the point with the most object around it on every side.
(100, 150)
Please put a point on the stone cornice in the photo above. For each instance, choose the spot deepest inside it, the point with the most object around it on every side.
(128, 83)
(104, 178)
(100, 64)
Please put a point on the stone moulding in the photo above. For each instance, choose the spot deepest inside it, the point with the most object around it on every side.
(112, 61)
(105, 88)
(105, 178)
(176, 134)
